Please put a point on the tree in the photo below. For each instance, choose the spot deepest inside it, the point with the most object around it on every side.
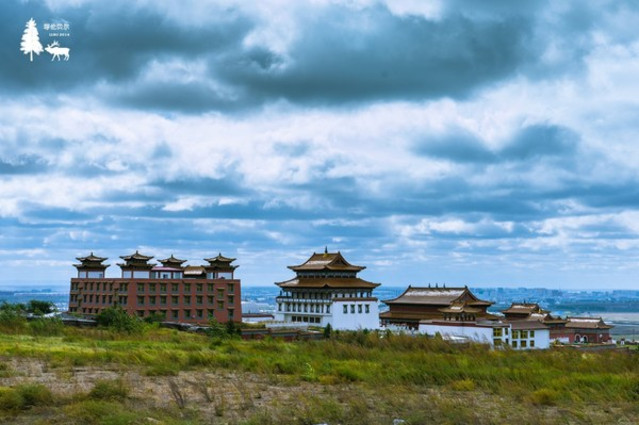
(118, 319)
(30, 40)
(40, 308)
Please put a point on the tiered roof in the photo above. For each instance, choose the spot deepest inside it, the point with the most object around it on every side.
(327, 262)
(220, 262)
(91, 262)
(587, 323)
(524, 309)
(333, 261)
(435, 296)
(136, 260)
(172, 262)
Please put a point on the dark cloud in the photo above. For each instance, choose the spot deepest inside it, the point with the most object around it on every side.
(353, 56)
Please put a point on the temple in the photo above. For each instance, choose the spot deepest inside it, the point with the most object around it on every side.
(327, 291)
(434, 303)
(170, 291)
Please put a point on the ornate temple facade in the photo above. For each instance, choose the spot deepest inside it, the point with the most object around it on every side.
(456, 304)
(170, 290)
(327, 291)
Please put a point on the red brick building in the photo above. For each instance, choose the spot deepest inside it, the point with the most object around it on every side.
(191, 294)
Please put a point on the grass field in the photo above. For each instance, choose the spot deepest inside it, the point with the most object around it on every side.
(53, 374)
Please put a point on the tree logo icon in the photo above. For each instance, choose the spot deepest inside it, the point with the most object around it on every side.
(30, 40)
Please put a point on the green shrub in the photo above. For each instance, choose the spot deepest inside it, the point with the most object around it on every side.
(544, 397)
(109, 389)
(40, 308)
(35, 394)
(119, 320)
(47, 326)
(10, 399)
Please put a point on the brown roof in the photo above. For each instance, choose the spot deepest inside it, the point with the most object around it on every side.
(193, 270)
(136, 257)
(220, 259)
(327, 261)
(172, 260)
(587, 323)
(527, 324)
(331, 282)
(459, 308)
(436, 296)
(524, 308)
(402, 315)
(91, 258)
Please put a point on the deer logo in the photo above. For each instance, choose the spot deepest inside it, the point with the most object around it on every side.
(56, 51)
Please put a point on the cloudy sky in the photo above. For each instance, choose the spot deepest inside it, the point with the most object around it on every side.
(484, 143)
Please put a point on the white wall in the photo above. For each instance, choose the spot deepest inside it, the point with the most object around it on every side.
(541, 338)
(357, 320)
(478, 334)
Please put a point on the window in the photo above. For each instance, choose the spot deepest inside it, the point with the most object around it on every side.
(514, 344)
(231, 288)
(524, 334)
(359, 308)
(152, 287)
(497, 342)
(199, 299)
(220, 305)
(199, 287)
(95, 275)
(174, 300)
(140, 313)
(532, 342)
(174, 287)
(187, 314)
(126, 274)
(187, 300)
(140, 287)
(368, 309)
(177, 275)
(140, 300)
(199, 314)
(231, 314)
(209, 287)
(515, 334)
(163, 300)
(140, 274)
(82, 275)
(524, 343)
(210, 299)
(345, 309)
(532, 334)
(328, 309)
(163, 287)
(220, 293)
(352, 308)
(152, 300)
(225, 275)
(187, 287)
(497, 332)
(174, 314)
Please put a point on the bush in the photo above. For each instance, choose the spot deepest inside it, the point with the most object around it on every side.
(46, 326)
(117, 319)
(35, 394)
(104, 389)
(544, 397)
(40, 308)
(10, 399)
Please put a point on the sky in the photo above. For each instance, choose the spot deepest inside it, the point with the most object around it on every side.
(456, 142)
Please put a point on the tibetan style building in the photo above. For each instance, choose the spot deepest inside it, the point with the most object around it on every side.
(434, 303)
(191, 294)
(568, 330)
(326, 290)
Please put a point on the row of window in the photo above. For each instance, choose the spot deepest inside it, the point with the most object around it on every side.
(359, 308)
(523, 334)
(328, 295)
(153, 287)
(305, 319)
(173, 314)
(306, 308)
